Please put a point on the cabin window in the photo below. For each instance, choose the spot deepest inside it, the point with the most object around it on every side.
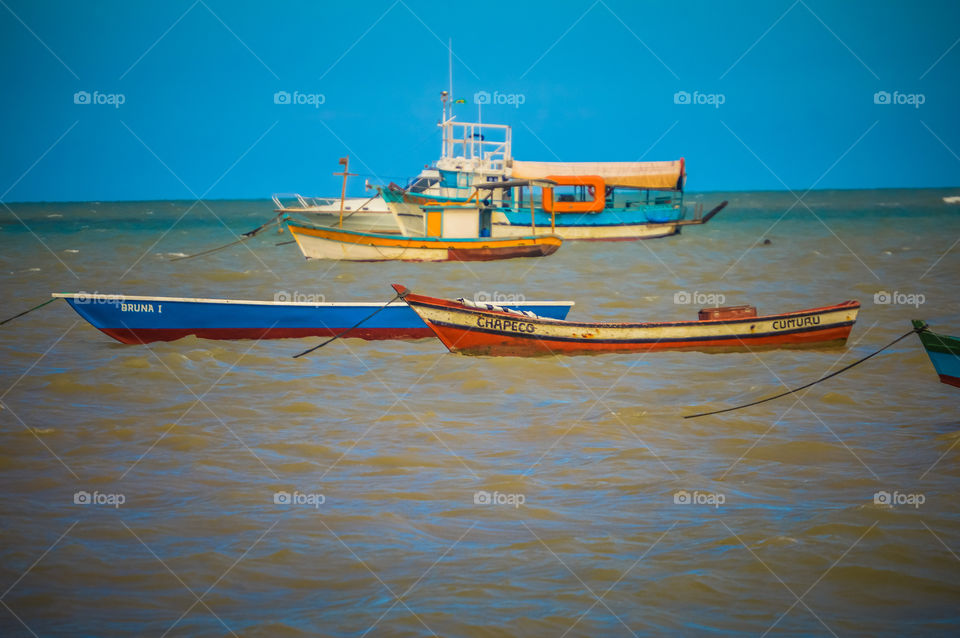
(575, 194)
(422, 184)
(572, 193)
(623, 197)
(521, 197)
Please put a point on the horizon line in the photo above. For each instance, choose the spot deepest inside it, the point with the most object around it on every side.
(269, 199)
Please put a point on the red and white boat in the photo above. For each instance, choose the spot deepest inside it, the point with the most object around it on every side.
(472, 330)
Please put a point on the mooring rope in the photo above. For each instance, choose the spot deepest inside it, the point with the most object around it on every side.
(337, 336)
(360, 207)
(37, 307)
(824, 378)
(243, 238)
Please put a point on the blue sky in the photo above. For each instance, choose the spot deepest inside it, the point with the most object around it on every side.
(599, 80)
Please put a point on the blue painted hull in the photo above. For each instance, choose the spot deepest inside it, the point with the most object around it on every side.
(146, 319)
(947, 366)
(609, 217)
(944, 352)
(632, 216)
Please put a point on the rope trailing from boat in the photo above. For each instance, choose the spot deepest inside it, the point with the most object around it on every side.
(37, 307)
(278, 220)
(337, 336)
(360, 207)
(824, 378)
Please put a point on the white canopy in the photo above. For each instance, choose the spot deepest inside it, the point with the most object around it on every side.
(658, 175)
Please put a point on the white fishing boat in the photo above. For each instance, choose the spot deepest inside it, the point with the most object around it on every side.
(459, 231)
(368, 214)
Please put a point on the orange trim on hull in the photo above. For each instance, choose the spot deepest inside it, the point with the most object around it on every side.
(371, 239)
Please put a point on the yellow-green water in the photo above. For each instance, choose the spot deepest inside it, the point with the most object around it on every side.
(396, 438)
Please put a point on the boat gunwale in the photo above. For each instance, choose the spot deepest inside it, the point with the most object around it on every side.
(939, 343)
(453, 305)
(121, 298)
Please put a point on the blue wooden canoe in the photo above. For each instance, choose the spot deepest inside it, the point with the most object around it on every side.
(944, 353)
(137, 319)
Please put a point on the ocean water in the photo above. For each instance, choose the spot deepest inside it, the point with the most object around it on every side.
(383, 446)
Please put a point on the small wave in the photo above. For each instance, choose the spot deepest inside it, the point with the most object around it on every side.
(837, 398)
(170, 255)
(71, 250)
(54, 215)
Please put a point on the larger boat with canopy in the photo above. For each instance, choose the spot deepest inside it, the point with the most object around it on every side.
(585, 200)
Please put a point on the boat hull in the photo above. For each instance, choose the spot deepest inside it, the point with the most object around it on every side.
(340, 244)
(645, 222)
(365, 221)
(944, 354)
(480, 332)
(147, 319)
(591, 233)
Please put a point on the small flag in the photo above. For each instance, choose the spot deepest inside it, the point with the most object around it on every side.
(343, 161)
(460, 101)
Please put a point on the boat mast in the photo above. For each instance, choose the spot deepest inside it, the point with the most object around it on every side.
(345, 162)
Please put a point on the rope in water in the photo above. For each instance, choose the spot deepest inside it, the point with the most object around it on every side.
(243, 238)
(337, 336)
(824, 378)
(37, 307)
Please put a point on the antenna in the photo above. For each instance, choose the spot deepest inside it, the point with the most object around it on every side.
(450, 71)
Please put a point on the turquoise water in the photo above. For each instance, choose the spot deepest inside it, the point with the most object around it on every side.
(386, 445)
